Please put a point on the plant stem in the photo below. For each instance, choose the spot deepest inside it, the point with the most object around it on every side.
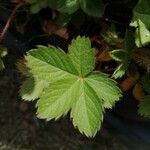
(9, 21)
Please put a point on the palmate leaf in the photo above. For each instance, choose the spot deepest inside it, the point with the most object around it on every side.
(71, 85)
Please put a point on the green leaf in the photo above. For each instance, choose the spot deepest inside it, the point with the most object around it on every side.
(144, 107)
(32, 89)
(58, 98)
(120, 71)
(37, 6)
(142, 12)
(146, 82)
(87, 111)
(119, 55)
(142, 35)
(44, 72)
(70, 84)
(93, 8)
(105, 88)
(82, 55)
(64, 6)
(125, 57)
(52, 63)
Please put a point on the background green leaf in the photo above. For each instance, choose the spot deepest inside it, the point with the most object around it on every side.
(64, 6)
(144, 107)
(142, 12)
(118, 55)
(142, 35)
(125, 58)
(93, 8)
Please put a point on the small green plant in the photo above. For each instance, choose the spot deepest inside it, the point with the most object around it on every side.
(123, 56)
(67, 82)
